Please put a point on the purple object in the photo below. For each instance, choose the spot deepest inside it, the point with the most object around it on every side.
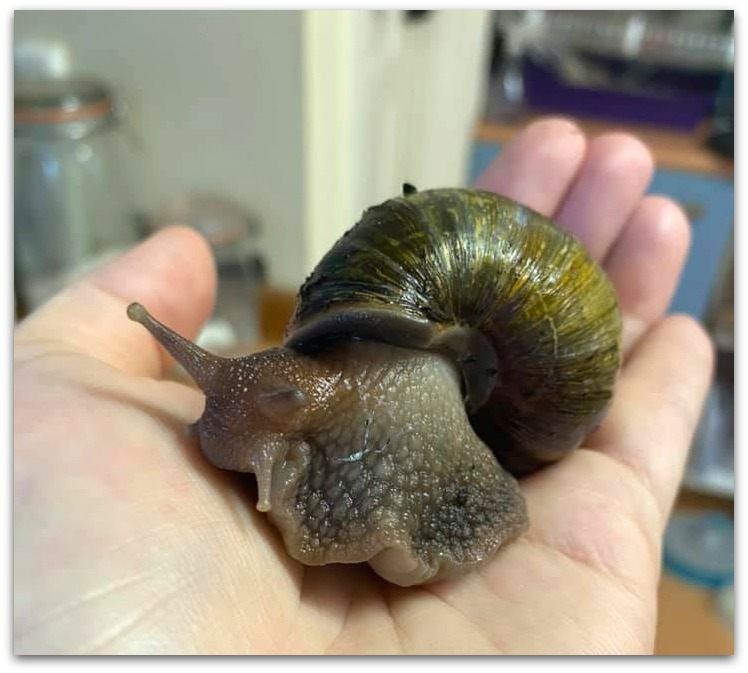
(680, 108)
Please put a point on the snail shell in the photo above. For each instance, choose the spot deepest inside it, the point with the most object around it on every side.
(528, 316)
(449, 342)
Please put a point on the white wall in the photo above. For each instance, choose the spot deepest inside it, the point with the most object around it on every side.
(217, 98)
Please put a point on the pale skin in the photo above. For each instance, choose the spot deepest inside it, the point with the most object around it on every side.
(127, 541)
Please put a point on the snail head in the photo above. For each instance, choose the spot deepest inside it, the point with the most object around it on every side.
(256, 406)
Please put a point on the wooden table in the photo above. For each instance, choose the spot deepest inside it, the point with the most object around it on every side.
(688, 621)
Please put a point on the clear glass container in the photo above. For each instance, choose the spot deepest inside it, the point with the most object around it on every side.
(73, 184)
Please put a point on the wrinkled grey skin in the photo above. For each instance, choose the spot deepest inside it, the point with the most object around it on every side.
(393, 474)
(376, 461)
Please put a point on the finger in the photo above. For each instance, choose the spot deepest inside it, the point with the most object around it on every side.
(645, 263)
(538, 165)
(615, 174)
(657, 405)
(172, 273)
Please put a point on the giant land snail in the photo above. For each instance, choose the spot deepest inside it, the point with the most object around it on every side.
(449, 342)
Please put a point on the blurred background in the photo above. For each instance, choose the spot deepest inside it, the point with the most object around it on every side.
(270, 132)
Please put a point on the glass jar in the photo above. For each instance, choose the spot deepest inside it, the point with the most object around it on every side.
(73, 184)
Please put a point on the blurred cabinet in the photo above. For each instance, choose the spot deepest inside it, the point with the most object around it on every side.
(389, 97)
(707, 198)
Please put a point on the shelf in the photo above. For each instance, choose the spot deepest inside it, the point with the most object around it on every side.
(671, 149)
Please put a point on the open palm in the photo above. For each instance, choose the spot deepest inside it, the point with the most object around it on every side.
(127, 541)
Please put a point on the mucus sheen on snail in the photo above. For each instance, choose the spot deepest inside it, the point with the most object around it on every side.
(451, 341)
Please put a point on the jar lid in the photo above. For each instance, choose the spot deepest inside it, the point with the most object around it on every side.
(225, 223)
(75, 106)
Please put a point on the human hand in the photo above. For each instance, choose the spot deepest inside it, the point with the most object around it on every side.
(127, 541)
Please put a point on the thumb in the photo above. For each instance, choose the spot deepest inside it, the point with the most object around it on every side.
(172, 274)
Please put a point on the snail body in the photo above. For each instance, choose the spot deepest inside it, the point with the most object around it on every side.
(451, 341)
